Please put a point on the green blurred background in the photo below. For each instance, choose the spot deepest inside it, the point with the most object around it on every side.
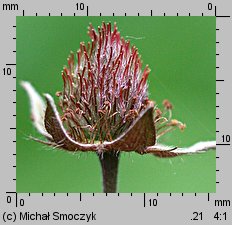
(181, 54)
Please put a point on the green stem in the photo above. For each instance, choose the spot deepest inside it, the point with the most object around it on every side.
(109, 164)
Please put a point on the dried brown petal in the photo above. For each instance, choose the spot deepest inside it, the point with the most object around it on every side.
(140, 135)
(165, 151)
(55, 128)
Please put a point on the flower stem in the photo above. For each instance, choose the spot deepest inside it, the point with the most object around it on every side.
(109, 164)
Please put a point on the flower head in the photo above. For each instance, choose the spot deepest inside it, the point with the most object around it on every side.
(104, 101)
(105, 88)
(105, 106)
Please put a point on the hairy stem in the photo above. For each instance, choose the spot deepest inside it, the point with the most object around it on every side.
(109, 164)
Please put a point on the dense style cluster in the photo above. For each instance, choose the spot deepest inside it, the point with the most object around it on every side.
(105, 88)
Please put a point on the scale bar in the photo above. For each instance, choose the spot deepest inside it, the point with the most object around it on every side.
(223, 16)
(144, 200)
(223, 144)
